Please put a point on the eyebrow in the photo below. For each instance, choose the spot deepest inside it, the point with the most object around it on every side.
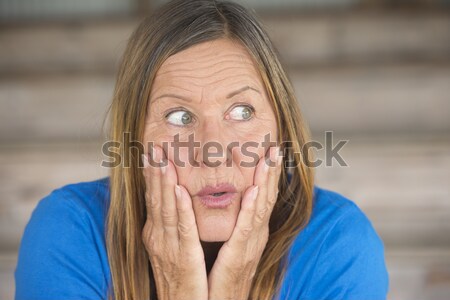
(232, 94)
(245, 88)
(173, 96)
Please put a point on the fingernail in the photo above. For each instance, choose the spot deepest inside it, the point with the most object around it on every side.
(279, 160)
(255, 192)
(279, 156)
(271, 159)
(145, 160)
(153, 153)
(178, 191)
(266, 164)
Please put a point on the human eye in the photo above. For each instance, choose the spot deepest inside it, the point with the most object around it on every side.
(179, 118)
(241, 112)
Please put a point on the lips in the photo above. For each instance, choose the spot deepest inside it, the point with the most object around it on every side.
(218, 197)
(217, 190)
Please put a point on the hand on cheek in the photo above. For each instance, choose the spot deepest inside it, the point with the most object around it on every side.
(170, 233)
(236, 263)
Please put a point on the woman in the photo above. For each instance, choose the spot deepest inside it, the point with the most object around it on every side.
(179, 220)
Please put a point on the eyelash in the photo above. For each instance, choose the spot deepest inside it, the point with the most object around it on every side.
(175, 109)
(245, 105)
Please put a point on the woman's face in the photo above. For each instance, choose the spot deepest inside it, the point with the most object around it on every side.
(207, 97)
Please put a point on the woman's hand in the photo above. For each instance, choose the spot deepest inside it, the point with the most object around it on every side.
(170, 234)
(233, 271)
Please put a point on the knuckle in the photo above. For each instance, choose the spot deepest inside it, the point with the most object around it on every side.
(273, 200)
(149, 239)
(145, 234)
(154, 203)
(261, 215)
(165, 212)
(153, 244)
(184, 228)
(148, 226)
(245, 231)
(249, 260)
(168, 216)
(169, 220)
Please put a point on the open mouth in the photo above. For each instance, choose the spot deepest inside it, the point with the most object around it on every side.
(218, 194)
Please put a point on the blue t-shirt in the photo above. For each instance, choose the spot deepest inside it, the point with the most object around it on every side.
(338, 255)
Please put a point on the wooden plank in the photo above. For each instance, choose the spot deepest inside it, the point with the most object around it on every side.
(390, 99)
(30, 173)
(360, 38)
(401, 184)
(54, 107)
(305, 40)
(417, 274)
(69, 48)
(8, 263)
(386, 99)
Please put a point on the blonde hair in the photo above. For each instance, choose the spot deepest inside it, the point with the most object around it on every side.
(172, 28)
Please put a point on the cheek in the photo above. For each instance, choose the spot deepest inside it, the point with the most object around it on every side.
(247, 173)
(262, 128)
(184, 163)
(153, 137)
(254, 143)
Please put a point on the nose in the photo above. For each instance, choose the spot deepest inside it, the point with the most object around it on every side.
(214, 149)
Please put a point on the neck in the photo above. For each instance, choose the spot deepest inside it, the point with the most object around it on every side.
(210, 250)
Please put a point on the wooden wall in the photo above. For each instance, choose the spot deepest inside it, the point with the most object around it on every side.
(380, 80)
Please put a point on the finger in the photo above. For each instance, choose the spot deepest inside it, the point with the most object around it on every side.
(169, 215)
(187, 226)
(244, 224)
(274, 177)
(152, 175)
(266, 179)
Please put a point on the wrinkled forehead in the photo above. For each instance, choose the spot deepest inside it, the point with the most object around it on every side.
(215, 64)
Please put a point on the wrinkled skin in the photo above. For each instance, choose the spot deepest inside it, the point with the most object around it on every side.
(206, 73)
(194, 93)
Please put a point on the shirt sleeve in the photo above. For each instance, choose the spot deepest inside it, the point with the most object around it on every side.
(351, 263)
(59, 256)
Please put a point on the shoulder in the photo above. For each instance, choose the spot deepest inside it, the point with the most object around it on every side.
(66, 234)
(86, 196)
(80, 203)
(87, 200)
(335, 217)
(339, 253)
(340, 217)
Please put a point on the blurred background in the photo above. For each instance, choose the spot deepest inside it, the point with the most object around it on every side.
(375, 72)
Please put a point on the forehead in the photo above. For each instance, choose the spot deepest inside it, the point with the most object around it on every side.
(213, 64)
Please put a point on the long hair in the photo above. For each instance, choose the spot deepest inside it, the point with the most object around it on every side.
(172, 28)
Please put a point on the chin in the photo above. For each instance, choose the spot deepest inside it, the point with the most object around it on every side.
(216, 228)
